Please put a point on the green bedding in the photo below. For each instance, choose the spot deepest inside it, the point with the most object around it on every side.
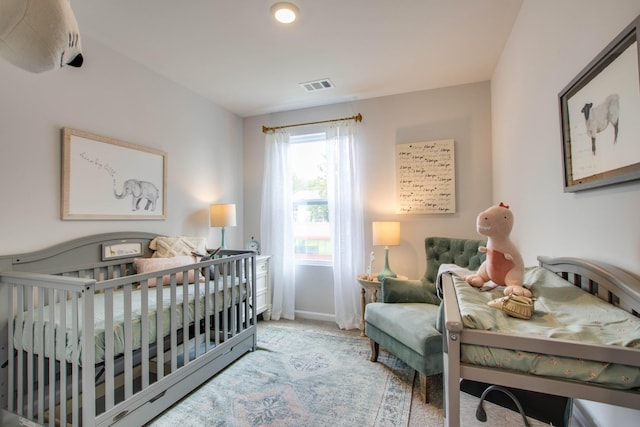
(562, 311)
(64, 352)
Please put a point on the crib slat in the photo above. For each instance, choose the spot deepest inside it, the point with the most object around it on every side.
(109, 373)
(39, 337)
(216, 317)
(174, 327)
(64, 298)
(185, 322)
(15, 303)
(225, 297)
(75, 380)
(52, 359)
(88, 357)
(128, 344)
(144, 328)
(29, 336)
(207, 310)
(196, 313)
(159, 333)
(231, 312)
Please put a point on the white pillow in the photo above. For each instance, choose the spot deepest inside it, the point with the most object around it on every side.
(166, 247)
(148, 265)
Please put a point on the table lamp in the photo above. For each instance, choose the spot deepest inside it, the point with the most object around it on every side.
(386, 233)
(222, 215)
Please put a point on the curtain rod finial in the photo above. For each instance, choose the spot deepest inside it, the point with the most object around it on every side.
(359, 117)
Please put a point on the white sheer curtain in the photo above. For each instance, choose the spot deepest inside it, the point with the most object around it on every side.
(346, 218)
(276, 224)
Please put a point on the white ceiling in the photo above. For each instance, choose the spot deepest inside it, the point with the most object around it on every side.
(234, 53)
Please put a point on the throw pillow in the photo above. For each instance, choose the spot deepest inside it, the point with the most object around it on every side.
(148, 265)
(165, 247)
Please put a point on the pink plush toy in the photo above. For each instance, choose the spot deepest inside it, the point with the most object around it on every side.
(503, 265)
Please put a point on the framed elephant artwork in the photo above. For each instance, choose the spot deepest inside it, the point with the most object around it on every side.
(105, 179)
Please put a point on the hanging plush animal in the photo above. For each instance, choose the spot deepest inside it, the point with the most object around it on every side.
(503, 265)
(39, 35)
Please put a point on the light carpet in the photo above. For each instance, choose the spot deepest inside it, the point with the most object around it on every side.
(308, 373)
(301, 377)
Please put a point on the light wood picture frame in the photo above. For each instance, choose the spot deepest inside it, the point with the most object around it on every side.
(599, 112)
(107, 179)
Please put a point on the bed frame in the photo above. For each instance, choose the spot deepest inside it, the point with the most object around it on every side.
(609, 283)
(134, 387)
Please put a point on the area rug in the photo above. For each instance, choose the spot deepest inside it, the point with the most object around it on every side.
(300, 377)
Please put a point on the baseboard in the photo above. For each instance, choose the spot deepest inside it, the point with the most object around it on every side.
(580, 416)
(311, 315)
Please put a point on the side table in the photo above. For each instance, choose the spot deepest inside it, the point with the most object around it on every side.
(374, 286)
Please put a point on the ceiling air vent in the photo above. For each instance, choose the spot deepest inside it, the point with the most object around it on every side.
(317, 85)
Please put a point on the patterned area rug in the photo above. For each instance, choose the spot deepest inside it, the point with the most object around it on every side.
(300, 377)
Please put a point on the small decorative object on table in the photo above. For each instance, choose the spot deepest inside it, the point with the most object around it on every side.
(253, 245)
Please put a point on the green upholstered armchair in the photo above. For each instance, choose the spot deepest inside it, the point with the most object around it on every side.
(407, 321)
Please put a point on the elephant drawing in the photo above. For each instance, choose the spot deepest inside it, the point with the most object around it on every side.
(139, 190)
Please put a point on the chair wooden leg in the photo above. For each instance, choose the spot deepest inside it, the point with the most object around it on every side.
(375, 348)
(424, 386)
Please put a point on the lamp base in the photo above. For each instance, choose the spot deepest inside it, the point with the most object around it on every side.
(386, 271)
(222, 243)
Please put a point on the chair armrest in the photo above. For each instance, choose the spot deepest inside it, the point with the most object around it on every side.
(412, 290)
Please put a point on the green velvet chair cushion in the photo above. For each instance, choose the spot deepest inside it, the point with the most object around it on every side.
(413, 324)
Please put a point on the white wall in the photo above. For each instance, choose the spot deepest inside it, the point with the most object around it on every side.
(114, 97)
(460, 112)
(550, 44)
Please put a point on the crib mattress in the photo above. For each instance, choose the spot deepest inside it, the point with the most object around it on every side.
(23, 341)
(562, 311)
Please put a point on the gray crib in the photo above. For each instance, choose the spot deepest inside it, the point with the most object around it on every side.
(61, 367)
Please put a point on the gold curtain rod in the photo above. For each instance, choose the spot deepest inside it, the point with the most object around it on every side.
(357, 118)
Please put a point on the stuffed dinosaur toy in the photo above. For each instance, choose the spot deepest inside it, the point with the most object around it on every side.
(503, 265)
(39, 35)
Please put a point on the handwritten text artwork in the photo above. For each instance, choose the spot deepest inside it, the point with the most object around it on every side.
(425, 174)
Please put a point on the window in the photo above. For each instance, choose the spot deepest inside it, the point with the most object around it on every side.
(310, 209)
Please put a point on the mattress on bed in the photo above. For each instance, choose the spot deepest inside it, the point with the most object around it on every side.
(22, 341)
(562, 311)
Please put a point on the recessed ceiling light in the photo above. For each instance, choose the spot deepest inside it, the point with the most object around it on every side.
(284, 12)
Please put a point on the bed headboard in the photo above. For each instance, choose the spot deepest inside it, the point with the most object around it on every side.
(99, 250)
(609, 283)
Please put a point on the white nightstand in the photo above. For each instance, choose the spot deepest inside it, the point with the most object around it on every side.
(263, 287)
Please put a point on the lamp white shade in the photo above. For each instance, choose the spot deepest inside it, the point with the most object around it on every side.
(222, 215)
(386, 233)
